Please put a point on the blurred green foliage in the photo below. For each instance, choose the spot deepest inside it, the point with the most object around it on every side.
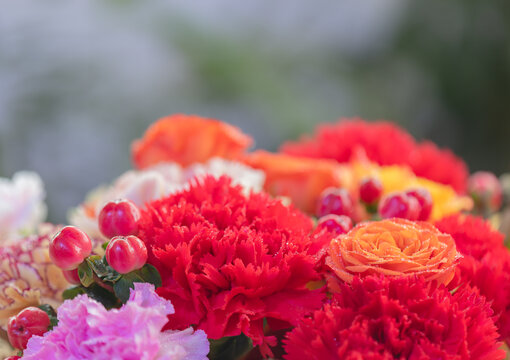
(80, 81)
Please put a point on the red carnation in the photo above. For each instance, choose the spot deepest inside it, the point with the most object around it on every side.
(397, 318)
(486, 263)
(228, 261)
(384, 143)
(472, 234)
(439, 165)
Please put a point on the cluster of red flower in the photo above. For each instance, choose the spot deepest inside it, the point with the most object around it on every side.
(235, 264)
(385, 144)
(358, 250)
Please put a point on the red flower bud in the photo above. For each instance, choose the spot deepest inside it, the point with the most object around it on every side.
(69, 247)
(339, 224)
(335, 201)
(119, 218)
(30, 321)
(486, 190)
(425, 202)
(399, 205)
(72, 276)
(125, 254)
(370, 190)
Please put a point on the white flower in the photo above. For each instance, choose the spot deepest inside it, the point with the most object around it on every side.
(249, 178)
(22, 206)
(142, 186)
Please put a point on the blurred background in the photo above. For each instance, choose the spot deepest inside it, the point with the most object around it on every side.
(79, 80)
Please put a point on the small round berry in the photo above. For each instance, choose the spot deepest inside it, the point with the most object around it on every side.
(486, 190)
(370, 190)
(399, 205)
(424, 200)
(335, 201)
(119, 218)
(72, 276)
(69, 247)
(338, 224)
(30, 321)
(125, 254)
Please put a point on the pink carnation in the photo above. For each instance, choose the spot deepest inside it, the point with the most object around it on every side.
(86, 330)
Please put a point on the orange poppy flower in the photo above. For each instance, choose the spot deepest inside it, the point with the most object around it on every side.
(394, 247)
(188, 139)
(301, 179)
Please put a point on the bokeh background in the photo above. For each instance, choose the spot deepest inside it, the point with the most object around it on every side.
(79, 80)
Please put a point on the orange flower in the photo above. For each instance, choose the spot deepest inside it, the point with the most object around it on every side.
(188, 139)
(394, 247)
(300, 179)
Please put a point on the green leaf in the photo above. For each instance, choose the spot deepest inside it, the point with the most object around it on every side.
(111, 275)
(371, 208)
(73, 292)
(105, 297)
(122, 288)
(151, 275)
(453, 291)
(97, 265)
(51, 313)
(230, 347)
(94, 291)
(85, 273)
(105, 245)
(147, 274)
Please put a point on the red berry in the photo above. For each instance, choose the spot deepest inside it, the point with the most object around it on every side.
(72, 276)
(14, 357)
(339, 224)
(30, 321)
(486, 190)
(69, 247)
(119, 218)
(125, 254)
(370, 190)
(335, 201)
(424, 200)
(399, 205)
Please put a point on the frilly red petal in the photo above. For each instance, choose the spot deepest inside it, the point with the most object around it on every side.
(397, 318)
(228, 261)
(385, 144)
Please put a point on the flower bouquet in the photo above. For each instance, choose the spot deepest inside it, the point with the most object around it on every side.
(356, 242)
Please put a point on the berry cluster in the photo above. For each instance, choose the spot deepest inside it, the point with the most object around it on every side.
(415, 204)
(337, 208)
(118, 221)
(70, 248)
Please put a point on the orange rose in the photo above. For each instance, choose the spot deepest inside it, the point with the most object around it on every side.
(300, 179)
(188, 139)
(394, 247)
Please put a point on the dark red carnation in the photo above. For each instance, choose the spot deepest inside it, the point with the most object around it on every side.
(397, 318)
(385, 144)
(229, 261)
(486, 263)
